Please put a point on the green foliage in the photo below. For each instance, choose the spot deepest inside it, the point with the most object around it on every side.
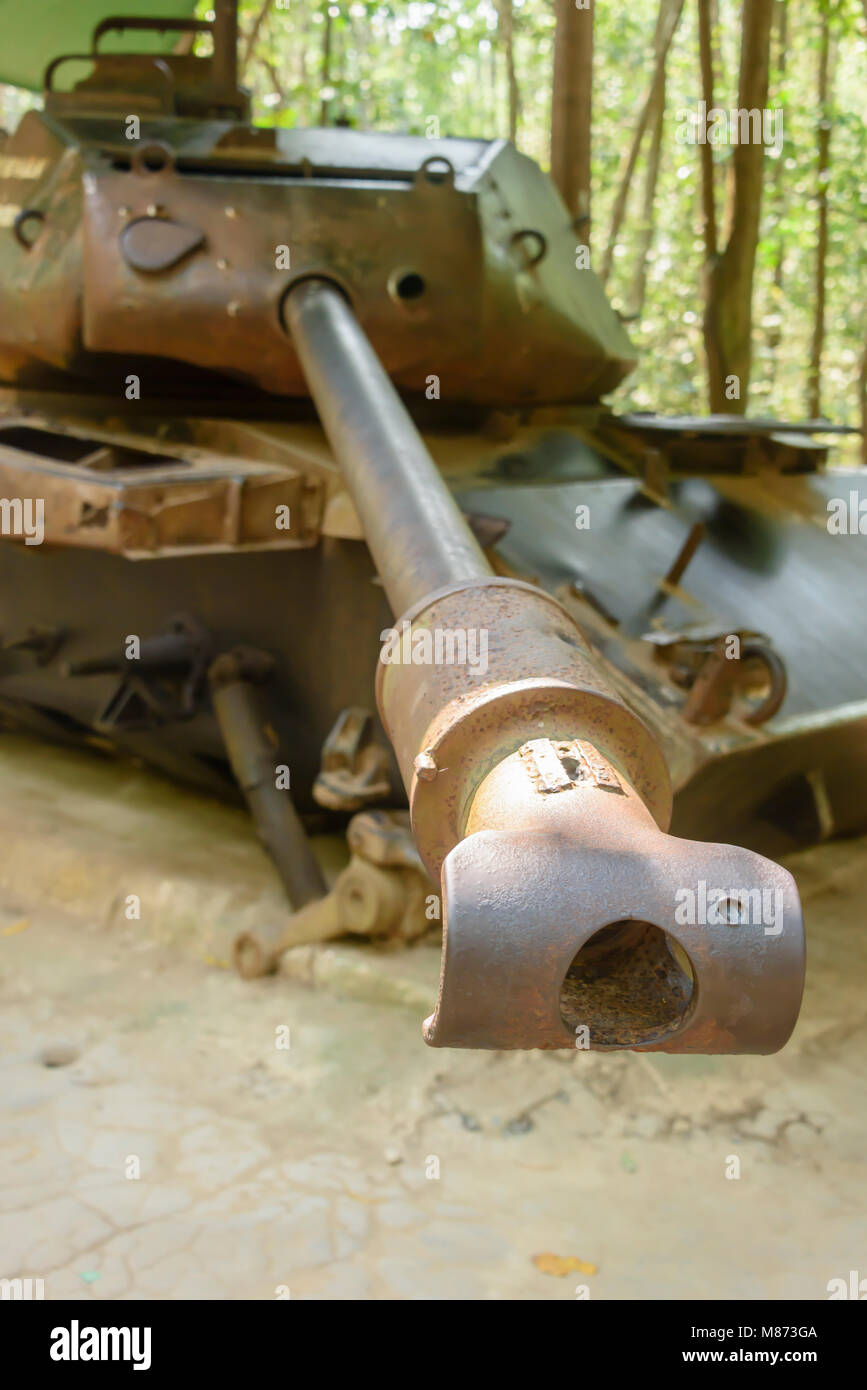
(395, 65)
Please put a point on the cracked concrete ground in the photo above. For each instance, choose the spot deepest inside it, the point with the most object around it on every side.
(159, 1139)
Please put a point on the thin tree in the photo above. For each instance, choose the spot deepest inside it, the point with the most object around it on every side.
(325, 77)
(862, 398)
(506, 26)
(715, 35)
(778, 192)
(729, 272)
(823, 173)
(648, 208)
(301, 38)
(494, 83)
(571, 110)
(252, 37)
(361, 42)
(705, 149)
(667, 21)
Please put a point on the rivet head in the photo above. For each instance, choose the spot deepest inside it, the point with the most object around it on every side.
(233, 308)
(231, 212)
(425, 766)
(222, 264)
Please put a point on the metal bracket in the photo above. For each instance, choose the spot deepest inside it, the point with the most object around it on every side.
(701, 664)
(354, 766)
(161, 685)
(381, 892)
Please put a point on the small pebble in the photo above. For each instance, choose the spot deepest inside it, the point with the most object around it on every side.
(58, 1054)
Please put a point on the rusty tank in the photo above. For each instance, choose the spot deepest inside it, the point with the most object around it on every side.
(310, 496)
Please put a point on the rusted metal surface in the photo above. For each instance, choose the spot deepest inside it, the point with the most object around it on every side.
(719, 443)
(541, 681)
(678, 569)
(539, 876)
(719, 669)
(625, 986)
(719, 678)
(355, 767)
(103, 491)
(256, 951)
(92, 599)
(156, 243)
(255, 759)
(160, 684)
(381, 892)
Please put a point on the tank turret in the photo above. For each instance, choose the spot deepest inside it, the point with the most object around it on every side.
(152, 220)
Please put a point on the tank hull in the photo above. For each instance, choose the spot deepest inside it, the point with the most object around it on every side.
(311, 600)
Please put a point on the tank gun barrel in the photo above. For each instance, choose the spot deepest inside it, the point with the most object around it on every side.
(416, 534)
(538, 799)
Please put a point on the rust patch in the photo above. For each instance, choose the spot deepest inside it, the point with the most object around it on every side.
(559, 765)
(625, 986)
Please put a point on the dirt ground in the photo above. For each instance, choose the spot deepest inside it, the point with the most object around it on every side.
(159, 1140)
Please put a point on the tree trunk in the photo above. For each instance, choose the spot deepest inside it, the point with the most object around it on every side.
(325, 78)
(361, 43)
(862, 395)
(648, 208)
(728, 310)
(778, 193)
(338, 68)
(666, 25)
(301, 39)
(571, 109)
(716, 38)
(705, 150)
(252, 37)
(506, 25)
(277, 85)
(814, 387)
